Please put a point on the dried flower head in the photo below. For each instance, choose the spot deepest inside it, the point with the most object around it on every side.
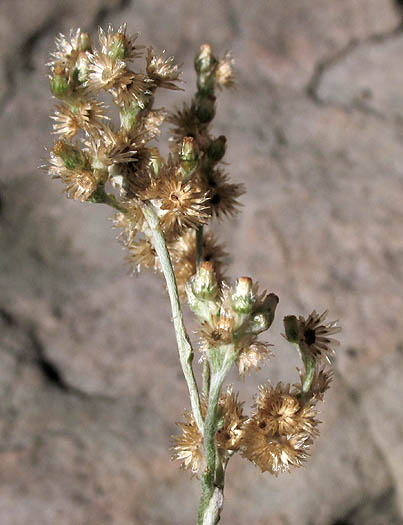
(72, 166)
(184, 251)
(86, 115)
(223, 195)
(273, 453)
(320, 382)
(283, 413)
(142, 255)
(224, 72)
(105, 72)
(118, 45)
(188, 445)
(68, 50)
(252, 356)
(163, 71)
(186, 124)
(131, 222)
(229, 436)
(181, 205)
(313, 336)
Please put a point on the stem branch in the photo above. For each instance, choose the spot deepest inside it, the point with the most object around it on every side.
(182, 339)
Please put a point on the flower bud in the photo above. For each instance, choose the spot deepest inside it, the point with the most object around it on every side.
(82, 68)
(216, 149)
(204, 282)
(291, 328)
(72, 158)
(84, 43)
(243, 297)
(263, 316)
(156, 161)
(202, 292)
(59, 83)
(129, 115)
(188, 158)
(205, 62)
(118, 48)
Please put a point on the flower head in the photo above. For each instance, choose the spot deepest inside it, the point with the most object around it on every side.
(118, 45)
(163, 71)
(229, 436)
(189, 445)
(252, 356)
(181, 205)
(274, 453)
(313, 335)
(223, 195)
(86, 115)
(224, 73)
(283, 412)
(184, 252)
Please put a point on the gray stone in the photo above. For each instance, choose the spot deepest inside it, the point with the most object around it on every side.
(90, 380)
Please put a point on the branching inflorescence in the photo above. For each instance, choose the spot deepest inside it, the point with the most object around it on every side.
(162, 208)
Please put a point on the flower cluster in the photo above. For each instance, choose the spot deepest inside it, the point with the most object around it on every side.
(283, 424)
(231, 317)
(187, 190)
(163, 206)
(188, 445)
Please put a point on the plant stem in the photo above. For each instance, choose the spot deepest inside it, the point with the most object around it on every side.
(199, 246)
(182, 339)
(206, 378)
(212, 481)
(309, 373)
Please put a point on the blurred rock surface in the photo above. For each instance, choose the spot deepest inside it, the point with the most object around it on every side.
(89, 378)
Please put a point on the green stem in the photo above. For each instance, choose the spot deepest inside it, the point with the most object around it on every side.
(182, 339)
(206, 378)
(212, 497)
(199, 246)
(309, 374)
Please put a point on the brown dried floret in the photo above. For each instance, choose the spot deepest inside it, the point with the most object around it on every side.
(184, 251)
(130, 221)
(108, 147)
(223, 195)
(224, 73)
(273, 453)
(180, 205)
(189, 445)
(320, 382)
(136, 89)
(229, 436)
(80, 182)
(105, 72)
(142, 255)
(86, 115)
(68, 50)
(283, 413)
(313, 336)
(252, 355)
(219, 331)
(117, 44)
(71, 165)
(186, 124)
(163, 71)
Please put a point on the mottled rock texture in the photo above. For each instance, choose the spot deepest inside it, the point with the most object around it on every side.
(89, 378)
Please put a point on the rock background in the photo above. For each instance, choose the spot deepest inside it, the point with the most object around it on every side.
(90, 387)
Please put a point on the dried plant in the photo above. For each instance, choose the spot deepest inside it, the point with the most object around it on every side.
(162, 209)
